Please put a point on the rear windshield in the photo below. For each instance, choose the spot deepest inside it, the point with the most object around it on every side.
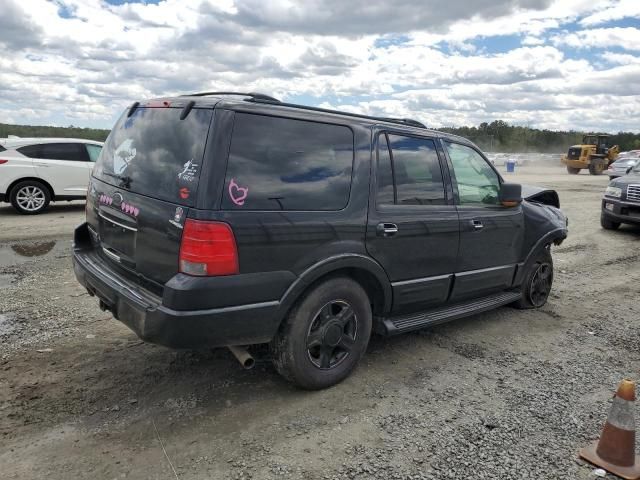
(154, 153)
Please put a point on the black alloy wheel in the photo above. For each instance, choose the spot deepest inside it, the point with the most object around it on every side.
(540, 286)
(324, 336)
(332, 334)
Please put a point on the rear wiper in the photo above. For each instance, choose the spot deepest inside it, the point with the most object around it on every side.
(125, 179)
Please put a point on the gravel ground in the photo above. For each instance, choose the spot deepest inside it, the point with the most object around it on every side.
(506, 394)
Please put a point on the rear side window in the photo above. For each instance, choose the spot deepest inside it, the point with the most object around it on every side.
(284, 164)
(415, 170)
(57, 151)
(94, 151)
(2, 149)
(31, 151)
(154, 153)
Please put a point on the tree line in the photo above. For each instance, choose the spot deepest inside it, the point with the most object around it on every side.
(497, 136)
(97, 134)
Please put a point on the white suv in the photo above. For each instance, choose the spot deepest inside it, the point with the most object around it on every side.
(36, 171)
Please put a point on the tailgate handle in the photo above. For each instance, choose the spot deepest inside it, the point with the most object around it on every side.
(126, 227)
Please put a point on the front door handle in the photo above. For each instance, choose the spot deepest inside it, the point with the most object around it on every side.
(386, 229)
(477, 224)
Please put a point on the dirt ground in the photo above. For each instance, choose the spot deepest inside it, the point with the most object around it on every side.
(505, 394)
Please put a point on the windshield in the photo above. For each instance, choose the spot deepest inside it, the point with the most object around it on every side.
(154, 153)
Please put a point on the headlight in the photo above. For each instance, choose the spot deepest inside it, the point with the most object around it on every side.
(613, 192)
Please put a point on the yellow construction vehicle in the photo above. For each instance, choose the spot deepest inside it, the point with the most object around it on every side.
(594, 154)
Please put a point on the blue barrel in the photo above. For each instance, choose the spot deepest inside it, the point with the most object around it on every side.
(511, 166)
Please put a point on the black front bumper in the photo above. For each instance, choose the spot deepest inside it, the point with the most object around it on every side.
(622, 211)
(144, 313)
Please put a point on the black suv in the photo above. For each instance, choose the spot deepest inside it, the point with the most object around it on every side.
(621, 202)
(223, 219)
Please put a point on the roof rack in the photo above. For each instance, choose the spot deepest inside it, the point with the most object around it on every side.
(255, 96)
(262, 98)
(406, 121)
(403, 121)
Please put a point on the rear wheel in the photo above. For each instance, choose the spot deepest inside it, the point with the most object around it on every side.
(608, 224)
(325, 335)
(30, 197)
(573, 171)
(537, 283)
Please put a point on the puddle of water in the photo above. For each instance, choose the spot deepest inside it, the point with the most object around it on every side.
(6, 324)
(20, 252)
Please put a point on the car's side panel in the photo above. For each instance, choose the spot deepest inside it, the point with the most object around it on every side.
(66, 176)
(299, 242)
(420, 257)
(17, 167)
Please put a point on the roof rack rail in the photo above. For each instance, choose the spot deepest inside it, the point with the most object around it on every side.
(403, 121)
(407, 121)
(255, 96)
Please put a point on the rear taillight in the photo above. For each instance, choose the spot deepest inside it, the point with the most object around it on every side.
(208, 249)
(3, 161)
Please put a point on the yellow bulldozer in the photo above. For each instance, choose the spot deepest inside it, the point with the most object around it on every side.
(594, 154)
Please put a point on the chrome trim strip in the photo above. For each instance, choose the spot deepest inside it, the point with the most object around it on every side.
(117, 223)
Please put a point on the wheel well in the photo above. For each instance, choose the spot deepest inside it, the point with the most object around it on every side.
(34, 179)
(367, 281)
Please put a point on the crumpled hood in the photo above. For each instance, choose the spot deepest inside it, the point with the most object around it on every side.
(543, 195)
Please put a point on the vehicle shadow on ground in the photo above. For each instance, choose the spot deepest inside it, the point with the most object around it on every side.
(7, 210)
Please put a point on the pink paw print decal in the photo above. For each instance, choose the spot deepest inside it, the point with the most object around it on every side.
(129, 209)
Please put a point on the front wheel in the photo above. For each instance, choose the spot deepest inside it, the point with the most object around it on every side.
(596, 168)
(30, 197)
(325, 335)
(573, 171)
(537, 283)
(608, 224)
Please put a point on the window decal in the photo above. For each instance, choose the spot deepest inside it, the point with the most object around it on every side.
(123, 156)
(237, 194)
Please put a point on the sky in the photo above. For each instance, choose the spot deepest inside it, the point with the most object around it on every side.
(555, 64)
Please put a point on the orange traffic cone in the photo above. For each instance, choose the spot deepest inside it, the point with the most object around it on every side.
(616, 449)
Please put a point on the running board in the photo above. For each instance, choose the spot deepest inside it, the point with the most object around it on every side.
(406, 323)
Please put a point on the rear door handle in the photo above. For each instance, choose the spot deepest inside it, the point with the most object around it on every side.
(386, 229)
(477, 224)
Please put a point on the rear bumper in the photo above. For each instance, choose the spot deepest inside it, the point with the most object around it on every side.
(145, 314)
(623, 212)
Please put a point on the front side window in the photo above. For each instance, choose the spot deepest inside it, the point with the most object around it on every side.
(285, 164)
(477, 182)
(415, 171)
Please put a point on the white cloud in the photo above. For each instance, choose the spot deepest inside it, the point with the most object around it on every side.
(612, 11)
(393, 58)
(627, 38)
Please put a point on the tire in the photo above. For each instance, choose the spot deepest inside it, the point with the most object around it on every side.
(30, 197)
(538, 282)
(325, 335)
(608, 224)
(596, 168)
(573, 171)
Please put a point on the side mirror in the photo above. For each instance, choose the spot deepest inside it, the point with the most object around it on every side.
(510, 194)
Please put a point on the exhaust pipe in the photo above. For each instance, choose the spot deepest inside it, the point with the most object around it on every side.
(243, 356)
